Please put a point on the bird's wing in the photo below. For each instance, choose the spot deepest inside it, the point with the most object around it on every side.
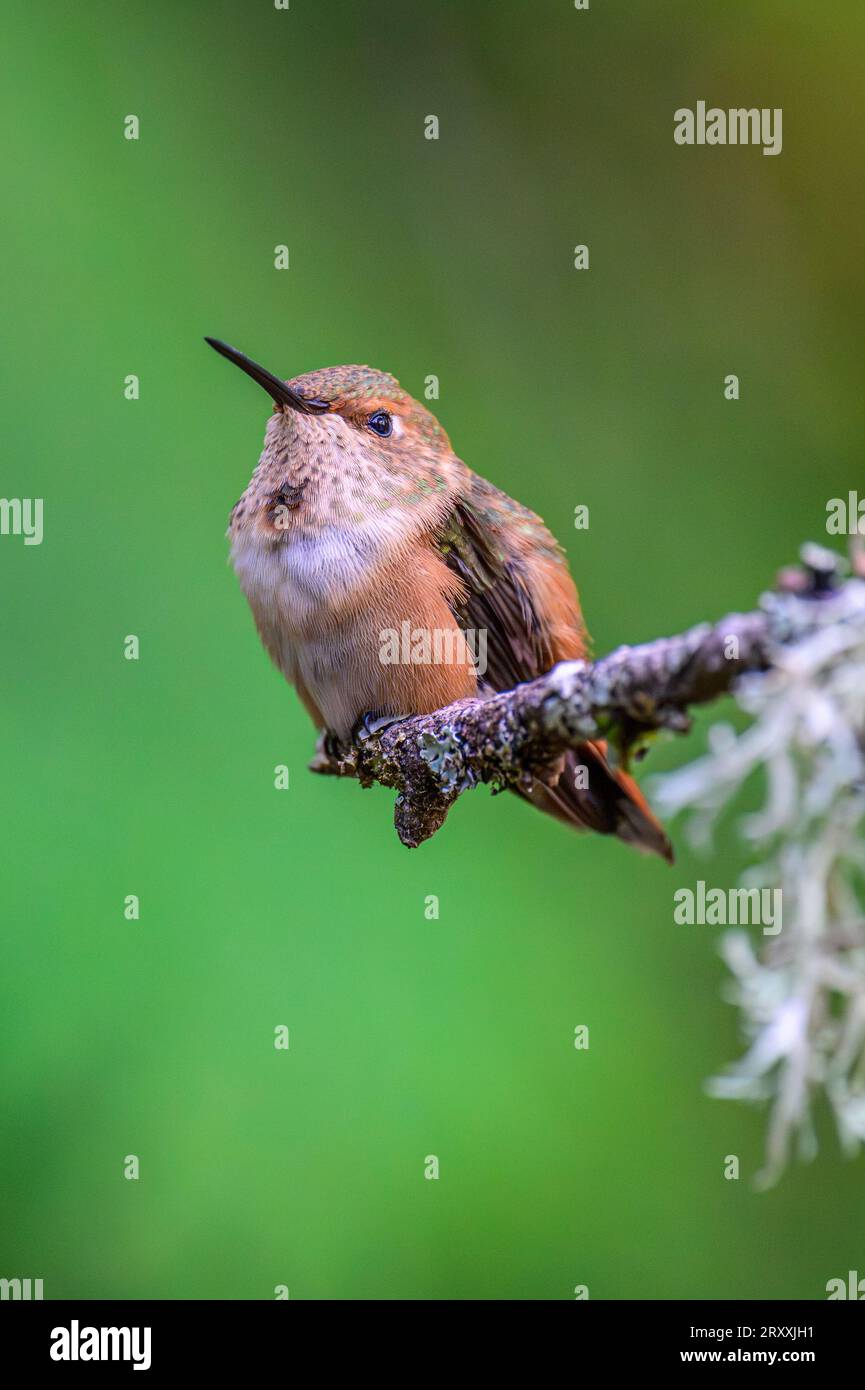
(516, 584)
(516, 587)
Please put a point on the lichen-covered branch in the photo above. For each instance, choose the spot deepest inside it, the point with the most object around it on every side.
(518, 735)
(801, 988)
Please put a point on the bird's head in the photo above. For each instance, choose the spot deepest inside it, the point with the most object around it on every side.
(343, 446)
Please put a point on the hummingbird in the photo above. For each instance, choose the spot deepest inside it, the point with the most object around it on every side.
(360, 524)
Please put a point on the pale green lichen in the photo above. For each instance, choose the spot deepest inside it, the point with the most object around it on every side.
(801, 993)
(445, 759)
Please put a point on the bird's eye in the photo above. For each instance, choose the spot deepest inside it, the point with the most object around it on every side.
(381, 423)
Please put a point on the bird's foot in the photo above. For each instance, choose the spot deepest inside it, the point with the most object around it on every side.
(373, 723)
(331, 745)
(332, 757)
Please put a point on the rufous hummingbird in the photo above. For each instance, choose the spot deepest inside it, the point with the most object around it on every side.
(360, 522)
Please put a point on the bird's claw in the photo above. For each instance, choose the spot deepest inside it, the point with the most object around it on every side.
(373, 723)
(332, 746)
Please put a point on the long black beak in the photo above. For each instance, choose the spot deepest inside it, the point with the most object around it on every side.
(281, 393)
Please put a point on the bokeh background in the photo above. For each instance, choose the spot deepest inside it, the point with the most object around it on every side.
(408, 1037)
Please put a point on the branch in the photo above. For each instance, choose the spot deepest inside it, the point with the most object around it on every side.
(520, 734)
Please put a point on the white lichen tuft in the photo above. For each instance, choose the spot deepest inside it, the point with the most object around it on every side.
(801, 993)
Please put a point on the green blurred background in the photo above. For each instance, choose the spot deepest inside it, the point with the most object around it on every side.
(408, 1037)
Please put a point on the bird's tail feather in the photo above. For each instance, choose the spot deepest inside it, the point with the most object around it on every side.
(610, 803)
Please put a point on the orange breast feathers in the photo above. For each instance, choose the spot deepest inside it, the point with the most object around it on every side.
(420, 655)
